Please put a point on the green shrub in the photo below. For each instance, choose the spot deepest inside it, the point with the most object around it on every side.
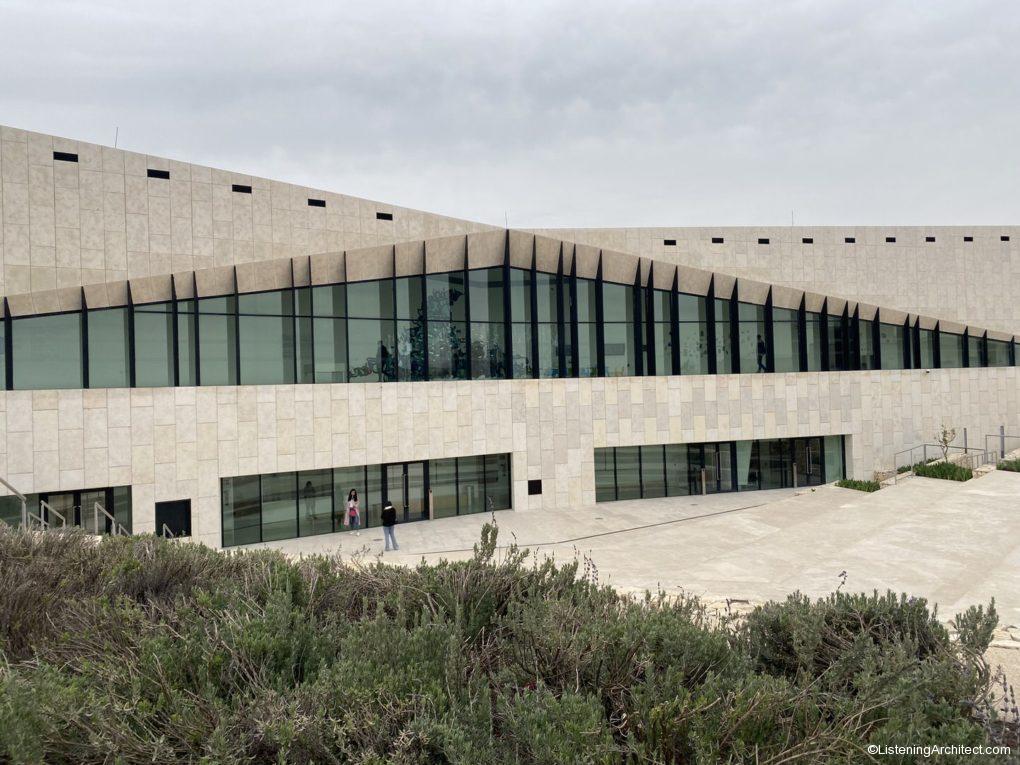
(945, 470)
(1012, 466)
(142, 650)
(853, 483)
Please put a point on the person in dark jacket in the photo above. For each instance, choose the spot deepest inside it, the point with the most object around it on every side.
(389, 520)
(761, 354)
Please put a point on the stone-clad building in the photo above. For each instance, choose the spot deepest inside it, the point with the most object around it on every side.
(199, 351)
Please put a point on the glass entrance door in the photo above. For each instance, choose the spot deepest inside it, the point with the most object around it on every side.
(807, 459)
(404, 486)
(78, 508)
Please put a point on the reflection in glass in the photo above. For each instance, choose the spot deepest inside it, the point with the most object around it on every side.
(46, 351)
(372, 348)
(950, 350)
(723, 339)
(628, 472)
(217, 341)
(815, 339)
(653, 473)
(786, 340)
(868, 350)
(443, 483)
(279, 507)
(752, 338)
(109, 358)
(315, 495)
(242, 521)
(892, 339)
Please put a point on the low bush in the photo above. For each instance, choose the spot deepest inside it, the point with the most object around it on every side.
(945, 470)
(1012, 466)
(853, 483)
(141, 650)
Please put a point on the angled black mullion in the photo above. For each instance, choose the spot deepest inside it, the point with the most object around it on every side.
(393, 318)
(713, 361)
(237, 331)
(175, 331)
(131, 336)
(467, 308)
(907, 355)
(1012, 351)
(561, 348)
(770, 335)
(575, 353)
(311, 321)
(855, 339)
(197, 326)
(295, 334)
(823, 330)
(651, 368)
(735, 329)
(425, 367)
(983, 349)
(936, 345)
(674, 321)
(802, 333)
(966, 347)
(84, 324)
(507, 318)
(600, 337)
(844, 333)
(876, 338)
(8, 347)
(916, 338)
(534, 308)
(637, 331)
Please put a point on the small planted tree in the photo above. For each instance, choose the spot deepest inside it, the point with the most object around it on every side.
(944, 438)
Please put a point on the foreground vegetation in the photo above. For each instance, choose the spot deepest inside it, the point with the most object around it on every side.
(858, 485)
(140, 650)
(945, 470)
(1012, 466)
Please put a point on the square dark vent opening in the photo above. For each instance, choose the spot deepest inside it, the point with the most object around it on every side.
(535, 486)
(65, 156)
(164, 174)
(890, 239)
(316, 202)
(763, 241)
(241, 189)
(717, 240)
(669, 242)
(807, 240)
(383, 216)
(850, 239)
(929, 239)
(968, 239)
(1004, 238)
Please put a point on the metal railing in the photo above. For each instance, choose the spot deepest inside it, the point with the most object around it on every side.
(44, 518)
(970, 456)
(1002, 444)
(167, 534)
(22, 498)
(115, 528)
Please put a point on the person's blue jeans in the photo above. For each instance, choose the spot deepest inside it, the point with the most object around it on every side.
(390, 537)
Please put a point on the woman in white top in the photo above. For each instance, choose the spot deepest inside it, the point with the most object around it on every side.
(352, 514)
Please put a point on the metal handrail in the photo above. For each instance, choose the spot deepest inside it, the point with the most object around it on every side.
(117, 528)
(24, 502)
(44, 505)
(924, 447)
(1001, 451)
(167, 534)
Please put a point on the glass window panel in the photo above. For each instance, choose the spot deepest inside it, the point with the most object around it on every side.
(998, 353)
(723, 341)
(950, 350)
(267, 350)
(109, 358)
(372, 345)
(545, 295)
(303, 348)
(3, 355)
(692, 308)
(748, 469)
(752, 338)
(279, 506)
(411, 350)
(154, 346)
(617, 302)
(867, 339)
(447, 350)
(663, 348)
(471, 484)
(488, 358)
(774, 461)
(303, 301)
(443, 485)
(446, 296)
(371, 504)
(693, 348)
(520, 295)
(834, 469)
(46, 351)
(892, 346)
(927, 349)
(241, 510)
(660, 305)
(486, 293)
(586, 308)
(677, 470)
(345, 479)
(786, 340)
(814, 340)
(225, 304)
(217, 349)
(653, 472)
(187, 353)
(497, 481)
(619, 347)
(330, 344)
(275, 303)
(548, 350)
(329, 300)
(605, 479)
(409, 296)
(587, 350)
(370, 300)
(836, 343)
(121, 509)
(522, 363)
(315, 513)
(628, 472)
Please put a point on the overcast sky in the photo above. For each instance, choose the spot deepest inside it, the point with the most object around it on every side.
(573, 113)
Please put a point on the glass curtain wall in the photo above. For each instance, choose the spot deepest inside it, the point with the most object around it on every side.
(927, 338)
(109, 352)
(998, 353)
(893, 337)
(154, 345)
(693, 326)
(838, 342)
(662, 346)
(619, 317)
(814, 340)
(723, 338)
(520, 329)
(217, 340)
(266, 335)
(587, 329)
(950, 350)
(488, 339)
(372, 341)
(446, 301)
(46, 351)
(753, 351)
(547, 304)
(869, 359)
(786, 339)
(329, 333)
